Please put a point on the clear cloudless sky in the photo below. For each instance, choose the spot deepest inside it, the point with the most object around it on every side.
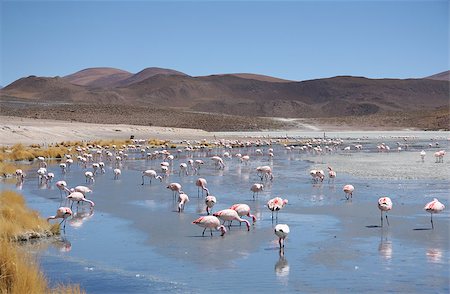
(295, 40)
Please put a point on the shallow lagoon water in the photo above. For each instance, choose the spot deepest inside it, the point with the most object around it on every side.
(136, 242)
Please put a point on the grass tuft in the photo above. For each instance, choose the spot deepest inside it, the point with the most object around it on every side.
(19, 272)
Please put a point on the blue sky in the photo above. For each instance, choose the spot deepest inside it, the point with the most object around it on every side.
(296, 40)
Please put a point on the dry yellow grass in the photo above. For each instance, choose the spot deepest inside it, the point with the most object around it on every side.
(19, 272)
(18, 222)
(7, 168)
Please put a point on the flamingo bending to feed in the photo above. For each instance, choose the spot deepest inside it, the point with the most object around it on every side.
(150, 173)
(434, 207)
(231, 215)
(245, 159)
(348, 189)
(81, 189)
(264, 172)
(218, 162)
(182, 199)
(210, 222)
(256, 188)
(243, 209)
(210, 201)
(62, 186)
(276, 204)
(175, 188)
(77, 197)
(62, 212)
(384, 204)
(282, 231)
(201, 183)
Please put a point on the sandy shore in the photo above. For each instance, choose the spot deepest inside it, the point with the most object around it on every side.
(27, 131)
(42, 131)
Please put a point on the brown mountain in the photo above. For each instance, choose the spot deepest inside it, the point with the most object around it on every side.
(56, 90)
(98, 77)
(230, 94)
(443, 76)
(147, 73)
(257, 77)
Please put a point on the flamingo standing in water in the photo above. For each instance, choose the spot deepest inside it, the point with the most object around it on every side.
(264, 172)
(117, 173)
(218, 162)
(348, 189)
(256, 188)
(20, 175)
(276, 204)
(62, 212)
(243, 209)
(384, 204)
(231, 215)
(81, 189)
(422, 155)
(175, 188)
(62, 186)
(150, 173)
(434, 207)
(331, 174)
(183, 168)
(77, 197)
(281, 231)
(210, 222)
(89, 177)
(201, 183)
(182, 199)
(210, 201)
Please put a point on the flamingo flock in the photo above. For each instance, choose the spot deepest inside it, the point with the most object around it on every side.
(220, 220)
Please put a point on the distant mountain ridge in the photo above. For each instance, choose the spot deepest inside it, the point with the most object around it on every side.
(237, 94)
(442, 76)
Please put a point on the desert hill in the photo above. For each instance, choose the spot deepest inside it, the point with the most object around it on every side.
(443, 76)
(231, 94)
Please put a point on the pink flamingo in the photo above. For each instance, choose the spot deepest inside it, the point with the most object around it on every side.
(77, 197)
(282, 231)
(256, 188)
(175, 188)
(331, 174)
(201, 183)
(439, 156)
(245, 159)
(231, 215)
(62, 212)
(62, 186)
(182, 199)
(81, 189)
(243, 209)
(218, 162)
(348, 189)
(384, 204)
(150, 173)
(210, 201)
(183, 168)
(264, 172)
(276, 204)
(210, 222)
(89, 177)
(20, 175)
(434, 207)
